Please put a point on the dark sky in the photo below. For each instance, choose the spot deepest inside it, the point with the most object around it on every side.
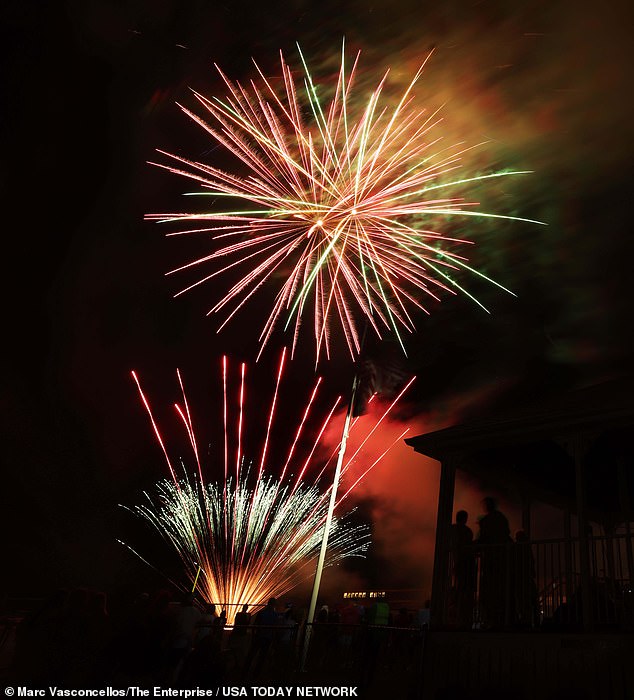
(90, 92)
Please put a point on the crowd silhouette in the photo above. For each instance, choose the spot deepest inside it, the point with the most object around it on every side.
(492, 570)
(72, 639)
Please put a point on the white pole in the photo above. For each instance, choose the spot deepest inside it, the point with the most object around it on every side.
(331, 508)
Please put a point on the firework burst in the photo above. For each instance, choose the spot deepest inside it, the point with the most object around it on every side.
(342, 203)
(246, 545)
(240, 543)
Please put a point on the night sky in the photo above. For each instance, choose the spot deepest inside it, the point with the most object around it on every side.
(90, 92)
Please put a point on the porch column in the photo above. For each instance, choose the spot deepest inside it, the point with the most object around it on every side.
(582, 522)
(440, 578)
(569, 575)
(526, 516)
(626, 514)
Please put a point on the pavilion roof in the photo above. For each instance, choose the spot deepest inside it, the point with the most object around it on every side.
(524, 451)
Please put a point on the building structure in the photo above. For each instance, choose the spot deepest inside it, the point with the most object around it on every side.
(564, 605)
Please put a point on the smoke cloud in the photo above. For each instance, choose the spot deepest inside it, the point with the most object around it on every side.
(399, 496)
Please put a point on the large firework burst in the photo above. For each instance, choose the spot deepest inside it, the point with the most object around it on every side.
(240, 543)
(340, 202)
(245, 545)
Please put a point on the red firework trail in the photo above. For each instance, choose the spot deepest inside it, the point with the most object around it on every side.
(243, 543)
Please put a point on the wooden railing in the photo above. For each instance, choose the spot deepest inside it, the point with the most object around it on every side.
(538, 584)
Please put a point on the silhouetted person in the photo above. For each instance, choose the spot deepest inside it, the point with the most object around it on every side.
(243, 618)
(204, 666)
(37, 653)
(238, 641)
(322, 615)
(350, 620)
(98, 635)
(401, 642)
(323, 637)
(494, 539)
(73, 637)
(494, 527)
(185, 619)
(156, 633)
(377, 618)
(218, 629)
(525, 588)
(265, 623)
(403, 619)
(287, 639)
(420, 624)
(463, 569)
(424, 615)
(207, 622)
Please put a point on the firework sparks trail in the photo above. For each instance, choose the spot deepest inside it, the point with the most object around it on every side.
(342, 206)
(241, 543)
(279, 533)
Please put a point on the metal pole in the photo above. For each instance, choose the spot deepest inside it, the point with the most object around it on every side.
(331, 508)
